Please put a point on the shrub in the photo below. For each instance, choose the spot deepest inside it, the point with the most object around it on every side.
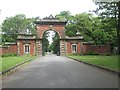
(27, 54)
(9, 54)
(74, 54)
(107, 54)
(91, 53)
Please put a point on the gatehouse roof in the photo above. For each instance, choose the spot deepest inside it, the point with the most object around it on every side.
(50, 20)
(74, 38)
(26, 37)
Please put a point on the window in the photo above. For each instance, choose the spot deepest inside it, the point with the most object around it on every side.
(27, 49)
(74, 48)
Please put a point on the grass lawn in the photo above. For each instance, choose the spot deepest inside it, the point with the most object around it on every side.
(11, 61)
(110, 62)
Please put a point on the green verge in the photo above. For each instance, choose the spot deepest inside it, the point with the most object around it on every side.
(11, 61)
(109, 62)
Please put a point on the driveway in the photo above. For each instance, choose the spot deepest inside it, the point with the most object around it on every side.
(60, 72)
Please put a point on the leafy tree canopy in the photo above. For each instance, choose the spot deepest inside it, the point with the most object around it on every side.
(109, 13)
(18, 24)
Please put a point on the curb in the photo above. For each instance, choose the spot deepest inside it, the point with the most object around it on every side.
(115, 72)
(13, 69)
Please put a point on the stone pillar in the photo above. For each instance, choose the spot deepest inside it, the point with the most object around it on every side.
(62, 47)
(18, 47)
(39, 47)
(65, 47)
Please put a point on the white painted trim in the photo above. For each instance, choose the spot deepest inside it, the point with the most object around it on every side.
(72, 48)
(24, 48)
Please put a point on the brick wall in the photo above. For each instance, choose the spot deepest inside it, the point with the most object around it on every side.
(21, 46)
(101, 49)
(13, 48)
(69, 47)
(85, 48)
(81, 48)
(9, 49)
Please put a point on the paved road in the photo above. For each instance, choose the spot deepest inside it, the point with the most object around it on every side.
(60, 72)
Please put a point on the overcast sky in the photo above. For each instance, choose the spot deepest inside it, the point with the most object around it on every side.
(42, 8)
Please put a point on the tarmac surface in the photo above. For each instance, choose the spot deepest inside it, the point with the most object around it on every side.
(59, 72)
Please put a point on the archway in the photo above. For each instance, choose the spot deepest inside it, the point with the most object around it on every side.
(50, 43)
(50, 23)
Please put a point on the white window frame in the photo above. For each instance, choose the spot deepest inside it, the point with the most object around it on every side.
(72, 48)
(24, 48)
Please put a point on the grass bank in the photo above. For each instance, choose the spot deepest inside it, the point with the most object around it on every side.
(109, 62)
(7, 62)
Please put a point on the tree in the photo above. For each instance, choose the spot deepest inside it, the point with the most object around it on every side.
(97, 29)
(18, 24)
(108, 12)
(88, 26)
(70, 27)
(64, 15)
(45, 42)
(55, 45)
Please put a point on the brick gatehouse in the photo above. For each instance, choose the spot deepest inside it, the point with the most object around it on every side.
(32, 44)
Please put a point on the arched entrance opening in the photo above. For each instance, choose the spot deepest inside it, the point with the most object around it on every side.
(50, 43)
